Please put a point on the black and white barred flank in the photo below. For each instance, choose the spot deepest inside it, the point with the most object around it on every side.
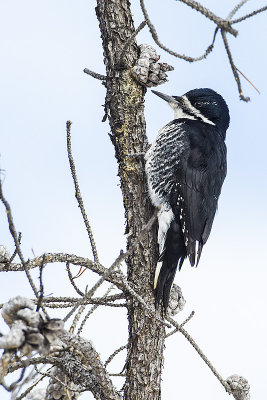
(185, 168)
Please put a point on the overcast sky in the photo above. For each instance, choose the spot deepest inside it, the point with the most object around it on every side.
(45, 45)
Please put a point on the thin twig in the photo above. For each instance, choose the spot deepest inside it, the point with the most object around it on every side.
(78, 315)
(225, 25)
(244, 76)
(16, 240)
(29, 378)
(200, 352)
(227, 48)
(78, 193)
(220, 22)
(235, 9)
(72, 280)
(71, 312)
(209, 48)
(74, 300)
(235, 21)
(122, 279)
(114, 354)
(41, 290)
(90, 312)
(99, 303)
(56, 379)
(122, 257)
(59, 305)
(29, 389)
(89, 294)
(104, 277)
(117, 278)
(32, 361)
(95, 74)
(64, 257)
(181, 325)
(15, 251)
(12, 386)
(173, 53)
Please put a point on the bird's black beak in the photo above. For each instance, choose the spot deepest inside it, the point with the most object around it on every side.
(167, 98)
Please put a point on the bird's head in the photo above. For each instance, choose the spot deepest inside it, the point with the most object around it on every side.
(200, 104)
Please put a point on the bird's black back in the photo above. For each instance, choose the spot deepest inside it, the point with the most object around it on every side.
(198, 179)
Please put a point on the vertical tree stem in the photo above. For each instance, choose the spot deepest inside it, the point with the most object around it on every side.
(125, 108)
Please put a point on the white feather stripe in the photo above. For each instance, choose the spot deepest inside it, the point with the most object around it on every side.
(165, 217)
(157, 272)
(195, 111)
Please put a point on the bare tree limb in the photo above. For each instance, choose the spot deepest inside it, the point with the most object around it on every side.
(181, 325)
(94, 74)
(200, 352)
(56, 257)
(73, 300)
(249, 15)
(78, 193)
(234, 69)
(235, 9)
(15, 251)
(56, 379)
(82, 366)
(173, 53)
(30, 388)
(41, 291)
(100, 382)
(90, 312)
(115, 353)
(220, 22)
(16, 239)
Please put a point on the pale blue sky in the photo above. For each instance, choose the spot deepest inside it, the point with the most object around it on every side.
(45, 45)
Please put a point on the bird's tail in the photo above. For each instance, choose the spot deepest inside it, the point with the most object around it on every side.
(174, 252)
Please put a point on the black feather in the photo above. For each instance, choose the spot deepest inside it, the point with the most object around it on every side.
(174, 252)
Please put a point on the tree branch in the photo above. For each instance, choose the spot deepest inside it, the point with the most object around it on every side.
(220, 22)
(78, 194)
(82, 366)
(235, 9)
(163, 47)
(16, 238)
(234, 69)
(94, 74)
(249, 15)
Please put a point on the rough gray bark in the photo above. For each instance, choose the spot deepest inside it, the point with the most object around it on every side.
(95, 379)
(125, 110)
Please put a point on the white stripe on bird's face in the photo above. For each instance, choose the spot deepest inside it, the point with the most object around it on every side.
(179, 113)
(194, 112)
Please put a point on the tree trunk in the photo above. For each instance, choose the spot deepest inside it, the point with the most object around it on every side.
(125, 110)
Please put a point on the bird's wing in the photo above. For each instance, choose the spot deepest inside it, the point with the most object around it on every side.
(198, 181)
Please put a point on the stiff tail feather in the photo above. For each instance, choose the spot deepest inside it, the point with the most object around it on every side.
(174, 252)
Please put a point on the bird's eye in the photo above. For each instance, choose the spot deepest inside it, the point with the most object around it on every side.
(201, 103)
